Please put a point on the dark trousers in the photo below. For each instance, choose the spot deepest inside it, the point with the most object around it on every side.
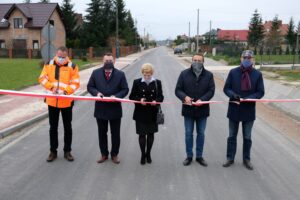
(115, 136)
(232, 139)
(67, 121)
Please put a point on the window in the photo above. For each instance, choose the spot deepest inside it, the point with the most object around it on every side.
(2, 44)
(51, 22)
(35, 44)
(18, 23)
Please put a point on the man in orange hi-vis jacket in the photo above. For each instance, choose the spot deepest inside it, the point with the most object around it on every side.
(60, 76)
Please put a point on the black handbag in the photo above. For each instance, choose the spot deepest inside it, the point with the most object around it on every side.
(160, 117)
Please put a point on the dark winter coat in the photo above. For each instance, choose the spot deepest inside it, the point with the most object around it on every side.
(116, 85)
(244, 111)
(202, 88)
(146, 113)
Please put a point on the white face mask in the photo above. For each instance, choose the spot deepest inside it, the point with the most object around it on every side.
(61, 60)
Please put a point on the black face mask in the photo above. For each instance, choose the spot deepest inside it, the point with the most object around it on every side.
(108, 66)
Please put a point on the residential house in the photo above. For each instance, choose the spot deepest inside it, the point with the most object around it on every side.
(233, 36)
(22, 23)
(283, 28)
(241, 36)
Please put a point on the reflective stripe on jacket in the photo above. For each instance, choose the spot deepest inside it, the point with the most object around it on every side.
(64, 78)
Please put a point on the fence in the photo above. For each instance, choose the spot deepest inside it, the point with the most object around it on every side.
(264, 54)
(4, 53)
(73, 53)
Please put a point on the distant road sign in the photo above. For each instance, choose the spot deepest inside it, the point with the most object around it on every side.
(48, 52)
(48, 32)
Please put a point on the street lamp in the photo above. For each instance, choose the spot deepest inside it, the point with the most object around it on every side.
(117, 31)
(189, 38)
(197, 50)
(297, 44)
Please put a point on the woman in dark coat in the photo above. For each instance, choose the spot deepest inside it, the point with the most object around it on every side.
(146, 89)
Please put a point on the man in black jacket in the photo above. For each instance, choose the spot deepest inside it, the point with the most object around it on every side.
(194, 85)
(108, 81)
(243, 82)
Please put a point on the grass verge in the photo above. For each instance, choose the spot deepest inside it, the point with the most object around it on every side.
(17, 74)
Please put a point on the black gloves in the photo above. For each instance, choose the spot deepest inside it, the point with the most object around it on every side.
(237, 98)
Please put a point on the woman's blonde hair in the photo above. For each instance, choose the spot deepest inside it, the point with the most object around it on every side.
(147, 68)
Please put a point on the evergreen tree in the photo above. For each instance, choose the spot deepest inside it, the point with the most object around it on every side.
(69, 20)
(291, 34)
(44, 1)
(92, 27)
(129, 32)
(274, 38)
(27, 1)
(256, 30)
(108, 18)
(122, 14)
(100, 24)
(99, 20)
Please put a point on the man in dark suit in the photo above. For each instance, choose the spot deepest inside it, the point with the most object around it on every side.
(242, 82)
(108, 81)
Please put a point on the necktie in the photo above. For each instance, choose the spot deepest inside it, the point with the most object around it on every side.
(107, 75)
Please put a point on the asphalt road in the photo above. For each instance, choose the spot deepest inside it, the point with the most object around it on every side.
(25, 174)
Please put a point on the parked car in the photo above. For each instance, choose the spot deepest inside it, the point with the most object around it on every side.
(177, 51)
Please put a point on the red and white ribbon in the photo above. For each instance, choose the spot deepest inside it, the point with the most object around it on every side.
(71, 97)
(114, 99)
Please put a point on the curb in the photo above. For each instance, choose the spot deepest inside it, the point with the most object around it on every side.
(14, 128)
(8, 131)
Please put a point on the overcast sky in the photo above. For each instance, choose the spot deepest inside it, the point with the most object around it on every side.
(164, 19)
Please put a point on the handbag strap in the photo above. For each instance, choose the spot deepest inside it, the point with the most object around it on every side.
(159, 108)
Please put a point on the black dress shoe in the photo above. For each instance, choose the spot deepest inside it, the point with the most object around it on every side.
(143, 160)
(187, 161)
(201, 161)
(148, 158)
(228, 163)
(248, 164)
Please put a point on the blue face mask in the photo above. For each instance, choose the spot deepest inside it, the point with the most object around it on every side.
(246, 63)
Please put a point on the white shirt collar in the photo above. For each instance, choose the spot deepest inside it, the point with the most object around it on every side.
(152, 79)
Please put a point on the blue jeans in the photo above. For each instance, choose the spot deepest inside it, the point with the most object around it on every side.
(189, 129)
(231, 141)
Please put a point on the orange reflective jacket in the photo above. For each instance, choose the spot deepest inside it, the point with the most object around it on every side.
(63, 79)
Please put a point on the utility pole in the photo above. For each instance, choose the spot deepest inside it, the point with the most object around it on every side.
(210, 33)
(189, 39)
(144, 38)
(197, 48)
(117, 30)
(136, 33)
